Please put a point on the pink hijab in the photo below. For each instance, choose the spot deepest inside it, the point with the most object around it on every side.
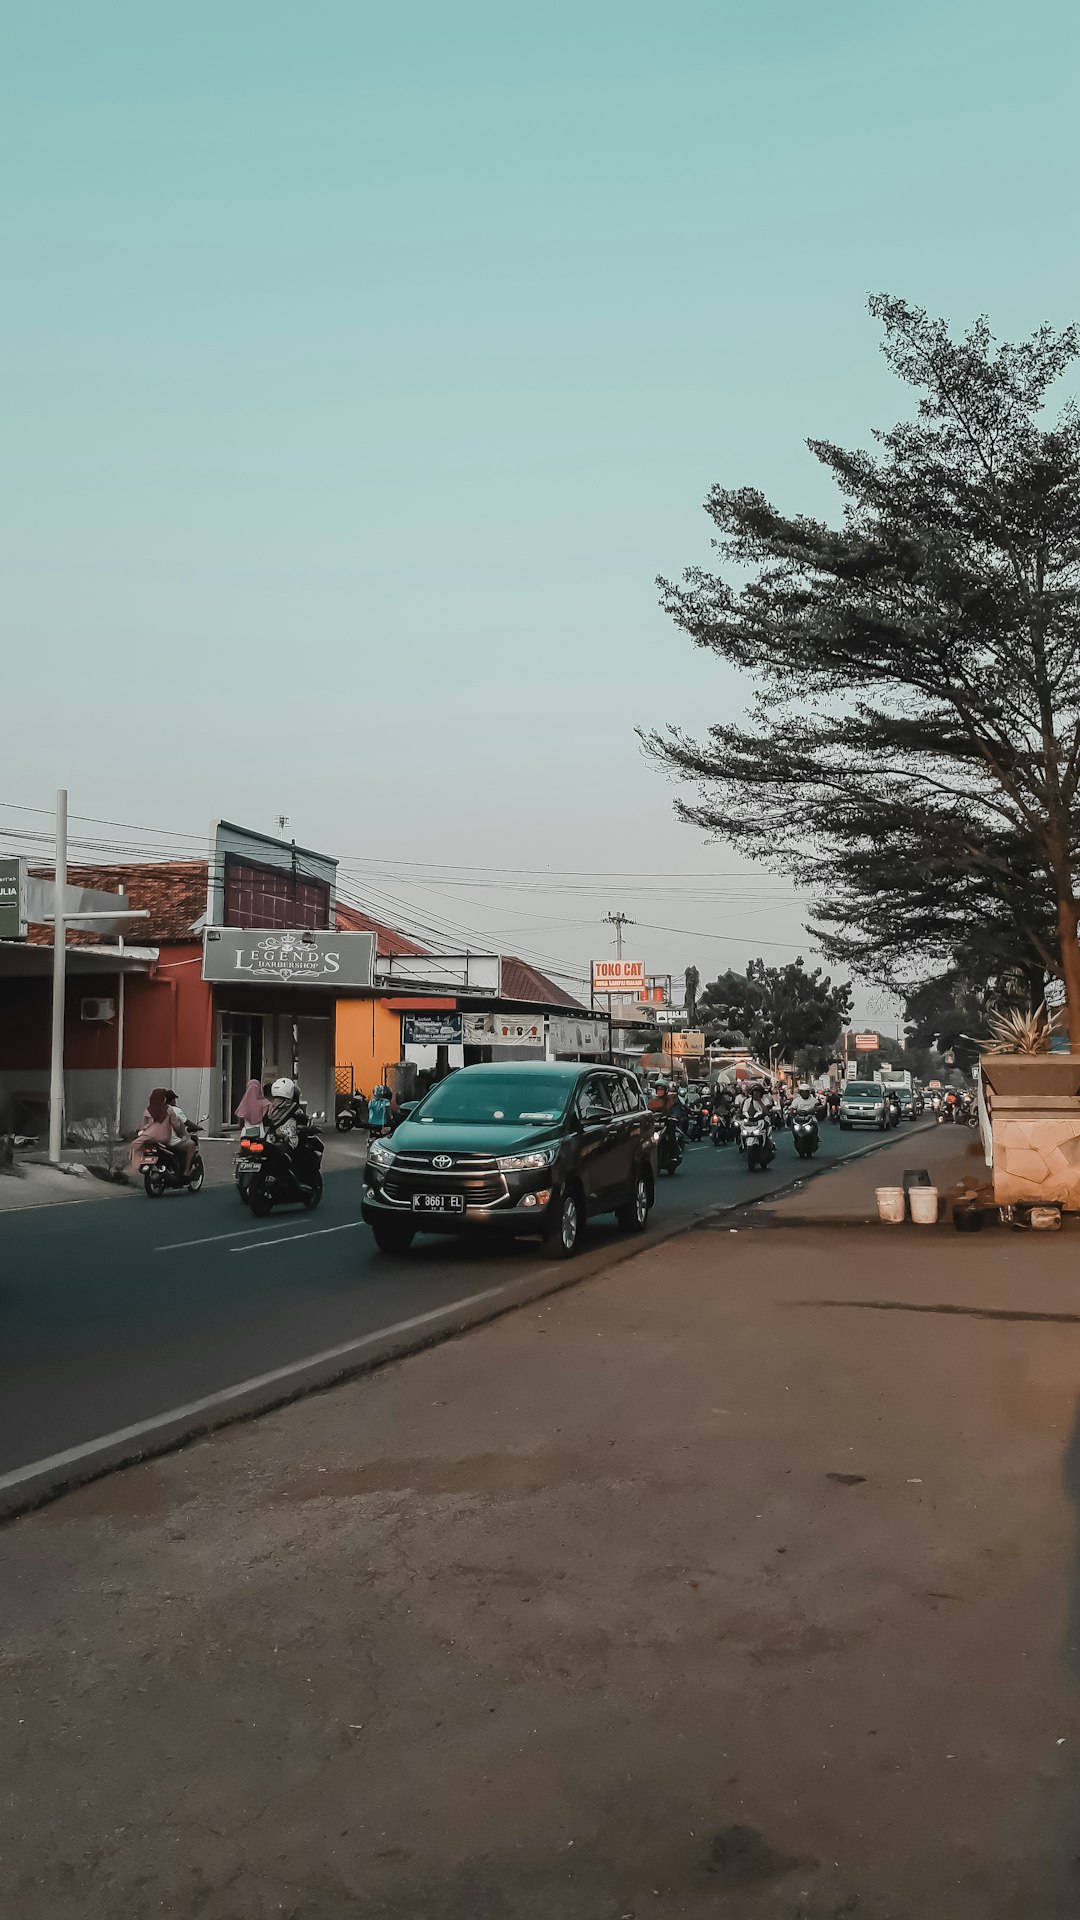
(253, 1105)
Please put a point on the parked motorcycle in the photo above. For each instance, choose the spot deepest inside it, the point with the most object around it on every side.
(757, 1137)
(163, 1170)
(804, 1132)
(353, 1114)
(285, 1172)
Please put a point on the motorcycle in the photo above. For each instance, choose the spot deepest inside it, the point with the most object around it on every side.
(248, 1160)
(892, 1111)
(285, 1172)
(721, 1128)
(758, 1141)
(353, 1114)
(162, 1169)
(670, 1146)
(804, 1132)
(696, 1124)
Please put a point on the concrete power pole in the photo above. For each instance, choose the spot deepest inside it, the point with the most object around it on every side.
(618, 921)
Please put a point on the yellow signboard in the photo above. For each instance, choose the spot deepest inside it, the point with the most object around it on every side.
(685, 1046)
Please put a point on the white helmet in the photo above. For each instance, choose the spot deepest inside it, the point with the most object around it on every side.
(283, 1090)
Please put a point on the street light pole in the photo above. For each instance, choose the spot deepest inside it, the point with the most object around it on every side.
(56, 1062)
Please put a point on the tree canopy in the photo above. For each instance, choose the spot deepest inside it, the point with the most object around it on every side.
(916, 668)
(782, 1012)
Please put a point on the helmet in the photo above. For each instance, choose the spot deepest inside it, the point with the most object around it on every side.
(283, 1090)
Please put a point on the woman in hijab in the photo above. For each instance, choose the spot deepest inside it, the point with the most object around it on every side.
(157, 1128)
(253, 1105)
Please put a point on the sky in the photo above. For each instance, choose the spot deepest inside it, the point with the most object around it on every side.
(364, 365)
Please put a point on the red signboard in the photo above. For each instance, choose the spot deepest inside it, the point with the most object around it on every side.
(618, 976)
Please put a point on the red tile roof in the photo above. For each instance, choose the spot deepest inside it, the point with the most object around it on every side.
(520, 981)
(174, 891)
(388, 941)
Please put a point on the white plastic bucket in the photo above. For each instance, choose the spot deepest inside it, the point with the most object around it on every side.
(890, 1204)
(924, 1205)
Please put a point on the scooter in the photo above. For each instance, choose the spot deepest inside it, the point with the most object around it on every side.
(249, 1152)
(760, 1146)
(287, 1173)
(162, 1169)
(354, 1114)
(804, 1132)
(669, 1143)
(721, 1128)
(696, 1123)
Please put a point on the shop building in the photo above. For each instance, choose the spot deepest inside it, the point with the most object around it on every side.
(237, 975)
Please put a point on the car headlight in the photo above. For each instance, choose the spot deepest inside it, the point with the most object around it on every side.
(380, 1155)
(527, 1162)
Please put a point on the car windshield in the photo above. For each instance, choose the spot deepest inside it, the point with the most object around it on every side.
(510, 1099)
(863, 1093)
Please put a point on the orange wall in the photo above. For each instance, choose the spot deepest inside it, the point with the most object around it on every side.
(368, 1039)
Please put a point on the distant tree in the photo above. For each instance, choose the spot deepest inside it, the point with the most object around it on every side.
(781, 1012)
(919, 665)
(945, 1016)
(693, 981)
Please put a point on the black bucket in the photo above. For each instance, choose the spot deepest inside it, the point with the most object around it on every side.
(968, 1219)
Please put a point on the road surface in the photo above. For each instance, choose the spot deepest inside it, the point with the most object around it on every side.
(119, 1315)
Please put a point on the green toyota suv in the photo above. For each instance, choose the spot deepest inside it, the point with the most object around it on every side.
(517, 1149)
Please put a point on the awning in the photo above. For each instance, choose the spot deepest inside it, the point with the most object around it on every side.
(19, 961)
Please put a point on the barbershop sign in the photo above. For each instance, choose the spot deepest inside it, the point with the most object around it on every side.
(295, 959)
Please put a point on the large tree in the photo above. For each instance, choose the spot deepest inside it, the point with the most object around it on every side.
(917, 667)
(786, 1012)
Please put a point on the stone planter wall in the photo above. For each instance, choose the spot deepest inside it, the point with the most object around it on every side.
(1037, 1157)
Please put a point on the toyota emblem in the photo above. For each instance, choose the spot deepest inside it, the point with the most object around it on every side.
(442, 1161)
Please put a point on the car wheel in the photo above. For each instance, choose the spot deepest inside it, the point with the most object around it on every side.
(392, 1236)
(561, 1240)
(634, 1218)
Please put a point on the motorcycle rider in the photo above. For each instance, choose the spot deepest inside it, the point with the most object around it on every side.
(804, 1101)
(182, 1144)
(283, 1113)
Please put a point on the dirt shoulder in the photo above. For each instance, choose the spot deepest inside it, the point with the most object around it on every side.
(739, 1581)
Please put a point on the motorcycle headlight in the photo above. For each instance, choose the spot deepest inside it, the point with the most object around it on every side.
(527, 1162)
(380, 1155)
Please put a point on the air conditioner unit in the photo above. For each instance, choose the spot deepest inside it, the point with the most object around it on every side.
(97, 1009)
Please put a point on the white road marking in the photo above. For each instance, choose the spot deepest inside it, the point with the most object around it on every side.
(174, 1246)
(143, 1429)
(286, 1239)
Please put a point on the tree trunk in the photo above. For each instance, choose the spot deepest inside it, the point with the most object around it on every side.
(1068, 914)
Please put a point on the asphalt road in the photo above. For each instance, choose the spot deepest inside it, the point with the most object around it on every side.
(117, 1314)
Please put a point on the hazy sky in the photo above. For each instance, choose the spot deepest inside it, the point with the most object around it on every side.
(363, 365)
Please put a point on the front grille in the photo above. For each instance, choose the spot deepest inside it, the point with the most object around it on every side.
(461, 1163)
(480, 1190)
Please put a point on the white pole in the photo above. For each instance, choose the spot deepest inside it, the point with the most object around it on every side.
(56, 1058)
(120, 1037)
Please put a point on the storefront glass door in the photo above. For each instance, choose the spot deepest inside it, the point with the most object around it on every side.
(241, 1059)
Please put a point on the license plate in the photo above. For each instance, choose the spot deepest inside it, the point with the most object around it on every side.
(438, 1203)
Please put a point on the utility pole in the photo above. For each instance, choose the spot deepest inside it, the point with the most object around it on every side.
(56, 1058)
(618, 921)
(60, 918)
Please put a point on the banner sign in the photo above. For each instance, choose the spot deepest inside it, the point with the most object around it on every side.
(567, 1035)
(253, 957)
(431, 1029)
(618, 976)
(671, 1017)
(685, 1046)
(867, 1042)
(503, 1030)
(12, 922)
